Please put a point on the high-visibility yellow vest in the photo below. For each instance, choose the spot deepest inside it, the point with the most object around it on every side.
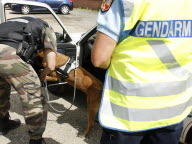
(149, 82)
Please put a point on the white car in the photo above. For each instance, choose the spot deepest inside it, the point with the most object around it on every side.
(186, 136)
(81, 51)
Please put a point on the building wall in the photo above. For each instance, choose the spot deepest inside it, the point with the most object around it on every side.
(88, 4)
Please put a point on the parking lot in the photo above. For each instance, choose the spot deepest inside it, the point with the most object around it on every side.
(61, 128)
(77, 21)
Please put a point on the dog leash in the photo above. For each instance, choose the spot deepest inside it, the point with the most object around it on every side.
(48, 97)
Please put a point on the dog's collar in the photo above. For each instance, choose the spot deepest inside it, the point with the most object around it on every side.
(70, 65)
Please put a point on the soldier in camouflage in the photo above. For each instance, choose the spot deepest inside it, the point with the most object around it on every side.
(22, 77)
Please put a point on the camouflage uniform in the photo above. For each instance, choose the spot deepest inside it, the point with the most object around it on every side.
(23, 78)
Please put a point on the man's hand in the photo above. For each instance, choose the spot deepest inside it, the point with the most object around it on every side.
(43, 74)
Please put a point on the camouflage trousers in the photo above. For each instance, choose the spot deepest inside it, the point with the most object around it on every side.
(22, 77)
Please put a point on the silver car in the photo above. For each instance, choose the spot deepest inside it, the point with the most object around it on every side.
(186, 136)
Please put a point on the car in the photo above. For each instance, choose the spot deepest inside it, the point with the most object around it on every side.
(61, 6)
(81, 51)
(186, 136)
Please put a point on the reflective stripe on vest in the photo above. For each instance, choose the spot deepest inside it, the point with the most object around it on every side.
(149, 82)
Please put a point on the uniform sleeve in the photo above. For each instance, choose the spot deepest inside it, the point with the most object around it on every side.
(49, 38)
(109, 22)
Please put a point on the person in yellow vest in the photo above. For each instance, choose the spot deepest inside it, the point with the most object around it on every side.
(146, 48)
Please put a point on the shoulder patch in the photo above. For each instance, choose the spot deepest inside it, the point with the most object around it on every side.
(106, 4)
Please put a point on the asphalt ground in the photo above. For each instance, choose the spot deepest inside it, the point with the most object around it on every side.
(61, 128)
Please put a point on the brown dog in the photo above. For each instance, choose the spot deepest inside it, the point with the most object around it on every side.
(85, 82)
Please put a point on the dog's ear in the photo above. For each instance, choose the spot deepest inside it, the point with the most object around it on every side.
(40, 54)
(87, 82)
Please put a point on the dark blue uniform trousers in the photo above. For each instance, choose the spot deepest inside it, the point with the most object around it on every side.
(167, 135)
